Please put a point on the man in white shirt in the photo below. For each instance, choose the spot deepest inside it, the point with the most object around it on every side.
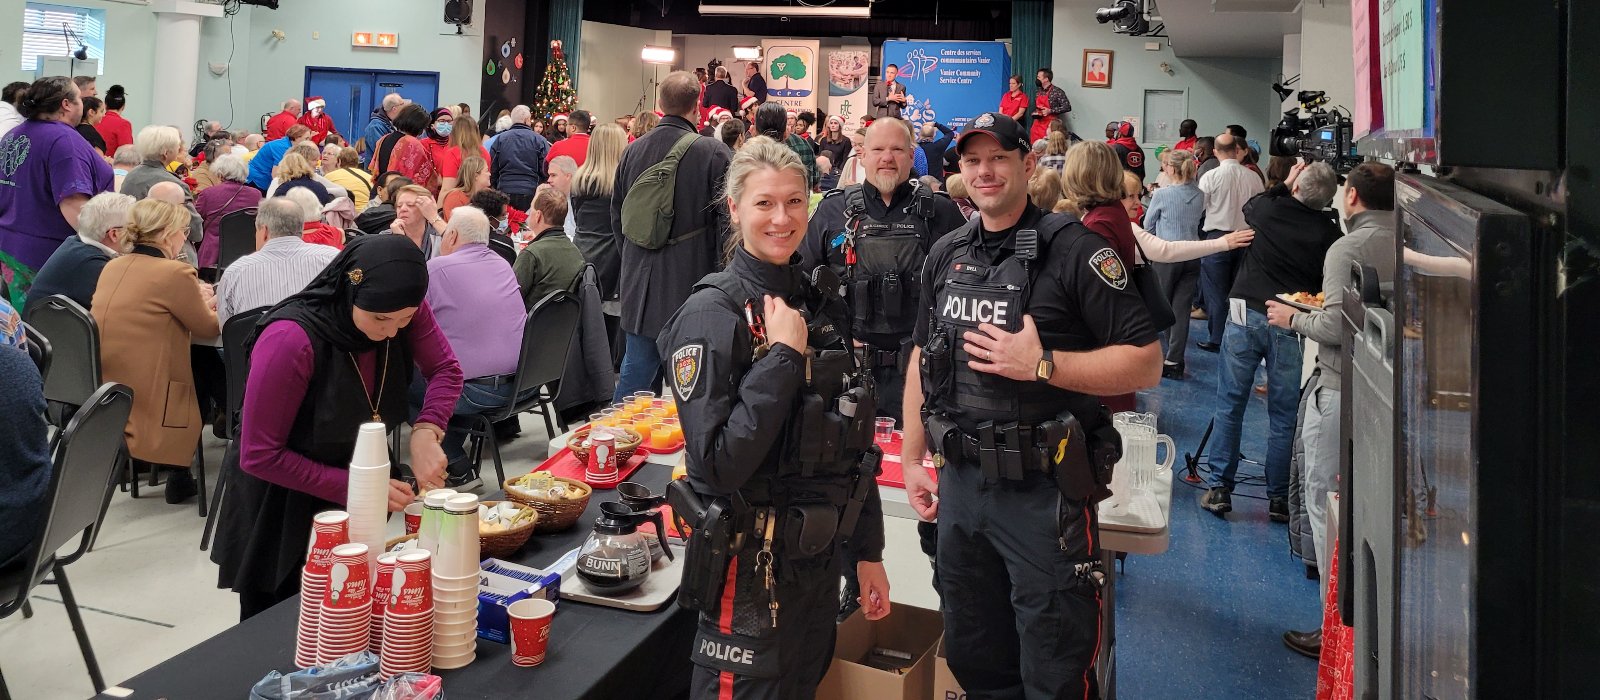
(9, 116)
(281, 266)
(1227, 187)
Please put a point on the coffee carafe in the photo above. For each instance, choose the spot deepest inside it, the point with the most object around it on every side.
(616, 557)
(638, 497)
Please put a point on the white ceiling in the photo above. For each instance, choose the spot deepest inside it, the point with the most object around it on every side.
(1229, 28)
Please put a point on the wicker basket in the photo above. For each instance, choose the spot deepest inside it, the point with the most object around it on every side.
(498, 545)
(626, 445)
(554, 515)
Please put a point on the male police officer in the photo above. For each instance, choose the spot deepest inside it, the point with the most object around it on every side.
(1025, 318)
(874, 236)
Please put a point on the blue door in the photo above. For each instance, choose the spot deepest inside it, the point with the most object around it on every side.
(352, 94)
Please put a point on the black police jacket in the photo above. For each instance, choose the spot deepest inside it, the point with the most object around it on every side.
(737, 411)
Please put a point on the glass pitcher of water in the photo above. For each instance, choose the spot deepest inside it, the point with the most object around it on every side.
(1138, 468)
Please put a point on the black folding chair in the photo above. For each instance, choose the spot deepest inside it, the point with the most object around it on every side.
(237, 370)
(236, 237)
(547, 334)
(82, 461)
(38, 346)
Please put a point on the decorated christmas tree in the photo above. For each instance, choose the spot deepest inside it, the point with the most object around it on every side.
(555, 94)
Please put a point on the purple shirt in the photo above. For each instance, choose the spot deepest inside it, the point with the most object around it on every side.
(41, 164)
(475, 296)
(215, 202)
(280, 370)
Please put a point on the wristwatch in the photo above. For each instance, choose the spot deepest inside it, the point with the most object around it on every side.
(1046, 368)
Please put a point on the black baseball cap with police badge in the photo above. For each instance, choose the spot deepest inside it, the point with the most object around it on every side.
(1004, 129)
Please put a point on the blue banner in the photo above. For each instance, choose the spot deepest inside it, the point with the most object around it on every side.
(949, 81)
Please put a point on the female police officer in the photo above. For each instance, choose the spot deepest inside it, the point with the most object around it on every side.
(777, 416)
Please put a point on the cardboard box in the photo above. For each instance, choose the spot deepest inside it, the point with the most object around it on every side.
(945, 686)
(914, 631)
(499, 585)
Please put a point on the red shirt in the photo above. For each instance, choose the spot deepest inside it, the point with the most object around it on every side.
(447, 161)
(1041, 125)
(320, 126)
(575, 146)
(279, 125)
(116, 131)
(1013, 101)
(322, 233)
(1186, 144)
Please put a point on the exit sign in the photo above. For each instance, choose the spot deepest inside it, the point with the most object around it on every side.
(375, 40)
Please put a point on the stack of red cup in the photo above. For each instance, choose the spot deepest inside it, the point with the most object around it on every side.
(408, 616)
(328, 530)
(380, 597)
(344, 626)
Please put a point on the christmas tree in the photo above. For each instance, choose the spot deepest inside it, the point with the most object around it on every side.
(555, 94)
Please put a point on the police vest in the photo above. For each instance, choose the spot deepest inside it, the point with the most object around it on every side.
(880, 263)
(821, 446)
(973, 293)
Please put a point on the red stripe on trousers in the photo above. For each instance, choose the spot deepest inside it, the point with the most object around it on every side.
(725, 626)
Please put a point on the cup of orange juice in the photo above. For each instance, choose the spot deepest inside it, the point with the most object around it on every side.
(660, 436)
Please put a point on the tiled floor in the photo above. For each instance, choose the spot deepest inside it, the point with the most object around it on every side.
(1201, 621)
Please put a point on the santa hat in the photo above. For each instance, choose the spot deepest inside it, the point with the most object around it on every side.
(316, 102)
(792, 114)
(718, 113)
(559, 118)
(748, 102)
(659, 114)
(834, 119)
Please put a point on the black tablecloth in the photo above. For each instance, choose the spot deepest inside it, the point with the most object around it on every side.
(595, 652)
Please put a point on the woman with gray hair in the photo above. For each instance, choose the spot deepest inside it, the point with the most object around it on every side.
(231, 193)
(74, 268)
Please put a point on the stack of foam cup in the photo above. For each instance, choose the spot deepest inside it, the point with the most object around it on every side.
(367, 497)
(381, 586)
(455, 584)
(328, 530)
(432, 515)
(408, 625)
(344, 626)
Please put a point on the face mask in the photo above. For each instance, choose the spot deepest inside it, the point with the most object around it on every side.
(1038, 83)
(444, 128)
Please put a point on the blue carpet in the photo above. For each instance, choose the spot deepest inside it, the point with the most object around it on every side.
(1205, 619)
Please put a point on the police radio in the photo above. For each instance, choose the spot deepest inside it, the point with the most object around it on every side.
(1027, 245)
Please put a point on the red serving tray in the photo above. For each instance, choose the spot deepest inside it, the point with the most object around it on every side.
(893, 470)
(566, 465)
(674, 447)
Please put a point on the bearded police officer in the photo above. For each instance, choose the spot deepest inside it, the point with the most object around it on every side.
(1025, 318)
(874, 236)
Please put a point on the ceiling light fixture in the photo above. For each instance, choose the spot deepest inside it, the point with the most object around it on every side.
(861, 12)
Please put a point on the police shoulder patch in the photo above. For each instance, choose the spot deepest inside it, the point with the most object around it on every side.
(1108, 266)
(686, 364)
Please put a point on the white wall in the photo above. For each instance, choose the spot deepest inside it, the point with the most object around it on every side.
(1221, 91)
(611, 78)
(1291, 64)
(1327, 60)
(266, 71)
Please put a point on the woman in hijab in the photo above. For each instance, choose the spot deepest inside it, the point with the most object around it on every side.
(323, 362)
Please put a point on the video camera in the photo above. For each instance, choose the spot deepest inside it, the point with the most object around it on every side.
(1320, 134)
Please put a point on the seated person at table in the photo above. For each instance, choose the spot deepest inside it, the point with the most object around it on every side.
(75, 267)
(417, 218)
(25, 463)
(295, 172)
(493, 203)
(380, 212)
(314, 229)
(283, 263)
(150, 307)
(324, 361)
(475, 298)
(550, 262)
(231, 193)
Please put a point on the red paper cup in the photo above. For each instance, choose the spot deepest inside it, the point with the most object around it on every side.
(530, 630)
(349, 579)
(329, 529)
(413, 518)
(411, 592)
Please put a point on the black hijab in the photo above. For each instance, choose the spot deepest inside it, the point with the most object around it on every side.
(437, 137)
(377, 273)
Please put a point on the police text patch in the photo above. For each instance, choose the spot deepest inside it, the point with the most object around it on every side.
(1109, 267)
(686, 364)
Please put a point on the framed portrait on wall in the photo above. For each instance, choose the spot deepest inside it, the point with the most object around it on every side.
(1097, 68)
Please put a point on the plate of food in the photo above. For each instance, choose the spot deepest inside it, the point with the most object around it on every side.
(1304, 301)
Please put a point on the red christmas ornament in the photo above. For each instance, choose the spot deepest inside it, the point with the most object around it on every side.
(518, 61)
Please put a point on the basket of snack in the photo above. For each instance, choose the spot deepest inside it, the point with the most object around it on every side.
(559, 500)
(628, 441)
(504, 526)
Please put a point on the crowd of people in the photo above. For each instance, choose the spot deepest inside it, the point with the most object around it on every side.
(981, 288)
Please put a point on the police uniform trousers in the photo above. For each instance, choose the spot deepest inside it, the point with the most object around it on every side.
(737, 653)
(1022, 618)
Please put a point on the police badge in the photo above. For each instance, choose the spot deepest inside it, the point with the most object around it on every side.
(983, 121)
(686, 369)
(1108, 266)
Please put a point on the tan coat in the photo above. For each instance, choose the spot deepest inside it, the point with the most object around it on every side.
(147, 309)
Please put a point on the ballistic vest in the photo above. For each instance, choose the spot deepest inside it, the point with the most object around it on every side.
(973, 292)
(883, 282)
